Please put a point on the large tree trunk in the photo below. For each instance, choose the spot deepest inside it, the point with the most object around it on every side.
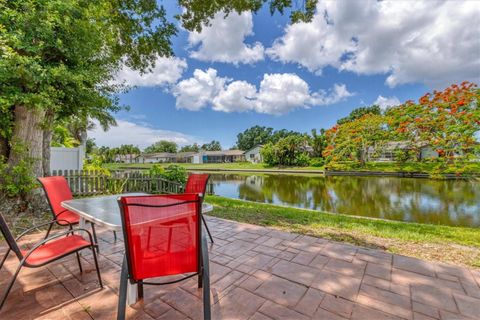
(47, 139)
(3, 148)
(27, 138)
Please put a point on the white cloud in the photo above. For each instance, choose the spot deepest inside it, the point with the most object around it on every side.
(197, 92)
(166, 72)
(142, 135)
(277, 94)
(223, 40)
(236, 96)
(280, 93)
(432, 42)
(384, 102)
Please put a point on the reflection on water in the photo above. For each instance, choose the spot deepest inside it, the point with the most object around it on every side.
(443, 202)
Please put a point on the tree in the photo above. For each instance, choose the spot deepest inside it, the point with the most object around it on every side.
(58, 59)
(190, 148)
(162, 146)
(446, 120)
(90, 146)
(360, 112)
(253, 136)
(354, 139)
(260, 135)
(288, 151)
(284, 133)
(212, 146)
(318, 141)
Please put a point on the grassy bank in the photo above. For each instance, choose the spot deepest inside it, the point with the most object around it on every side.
(215, 166)
(432, 168)
(439, 243)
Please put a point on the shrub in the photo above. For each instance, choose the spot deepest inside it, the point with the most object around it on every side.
(317, 162)
(17, 180)
(173, 172)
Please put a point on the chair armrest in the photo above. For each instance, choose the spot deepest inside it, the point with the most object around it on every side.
(41, 225)
(58, 235)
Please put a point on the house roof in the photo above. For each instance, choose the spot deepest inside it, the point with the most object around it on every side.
(159, 155)
(255, 146)
(223, 153)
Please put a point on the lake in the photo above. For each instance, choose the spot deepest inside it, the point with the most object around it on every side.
(445, 202)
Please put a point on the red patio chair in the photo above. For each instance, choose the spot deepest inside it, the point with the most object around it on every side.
(47, 250)
(163, 237)
(197, 183)
(57, 190)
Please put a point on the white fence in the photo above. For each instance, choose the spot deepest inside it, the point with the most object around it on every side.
(66, 158)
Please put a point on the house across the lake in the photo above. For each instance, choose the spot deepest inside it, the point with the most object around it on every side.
(253, 155)
(126, 158)
(192, 157)
(219, 156)
(389, 149)
(158, 157)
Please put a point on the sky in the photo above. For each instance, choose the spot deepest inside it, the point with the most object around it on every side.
(258, 69)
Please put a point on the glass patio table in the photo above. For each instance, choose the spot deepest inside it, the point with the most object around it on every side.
(104, 211)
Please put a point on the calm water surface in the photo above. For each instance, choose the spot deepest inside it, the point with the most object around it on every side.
(452, 202)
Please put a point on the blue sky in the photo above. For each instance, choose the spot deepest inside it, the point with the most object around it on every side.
(255, 69)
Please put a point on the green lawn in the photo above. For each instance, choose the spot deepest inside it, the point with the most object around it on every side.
(433, 168)
(432, 242)
(214, 166)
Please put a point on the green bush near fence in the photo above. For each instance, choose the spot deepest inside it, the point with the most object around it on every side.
(173, 173)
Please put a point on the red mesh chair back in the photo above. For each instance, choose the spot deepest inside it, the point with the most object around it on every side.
(162, 234)
(56, 190)
(197, 183)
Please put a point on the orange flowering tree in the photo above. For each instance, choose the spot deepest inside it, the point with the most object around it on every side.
(356, 140)
(446, 120)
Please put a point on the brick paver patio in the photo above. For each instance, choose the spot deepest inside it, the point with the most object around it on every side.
(256, 273)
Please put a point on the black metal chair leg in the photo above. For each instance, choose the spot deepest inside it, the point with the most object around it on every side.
(206, 281)
(208, 230)
(122, 296)
(140, 289)
(48, 231)
(79, 262)
(115, 235)
(96, 266)
(5, 257)
(95, 237)
(9, 287)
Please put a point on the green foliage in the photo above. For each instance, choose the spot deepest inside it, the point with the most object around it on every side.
(190, 148)
(90, 146)
(162, 146)
(198, 13)
(256, 135)
(317, 162)
(171, 173)
(63, 138)
(156, 170)
(360, 112)
(289, 151)
(116, 186)
(212, 146)
(318, 141)
(95, 163)
(253, 136)
(16, 180)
